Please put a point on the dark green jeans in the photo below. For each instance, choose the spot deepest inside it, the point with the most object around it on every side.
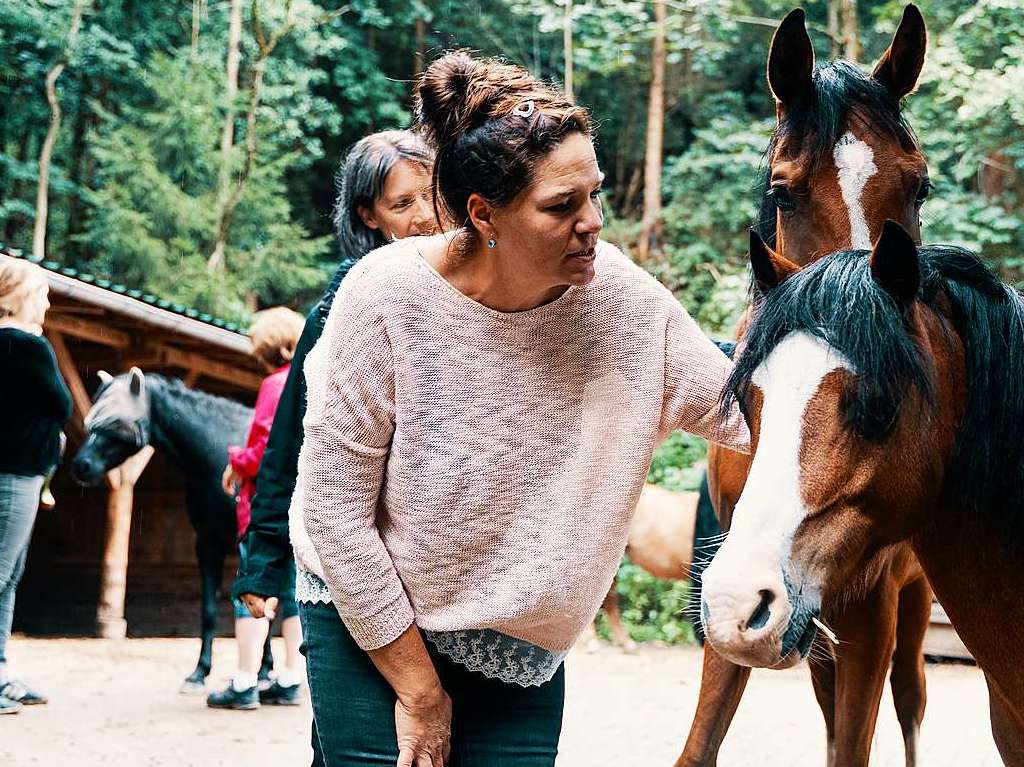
(494, 724)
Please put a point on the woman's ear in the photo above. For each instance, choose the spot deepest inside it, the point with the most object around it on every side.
(481, 215)
(367, 216)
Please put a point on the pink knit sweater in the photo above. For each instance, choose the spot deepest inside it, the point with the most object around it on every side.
(466, 468)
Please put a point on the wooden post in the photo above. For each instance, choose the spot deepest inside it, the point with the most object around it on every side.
(79, 395)
(110, 621)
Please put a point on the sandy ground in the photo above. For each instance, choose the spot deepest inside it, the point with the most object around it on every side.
(116, 704)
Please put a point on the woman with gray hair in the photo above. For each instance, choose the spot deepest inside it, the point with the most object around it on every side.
(384, 194)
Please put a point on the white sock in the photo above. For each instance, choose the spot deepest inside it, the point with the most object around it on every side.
(289, 677)
(243, 681)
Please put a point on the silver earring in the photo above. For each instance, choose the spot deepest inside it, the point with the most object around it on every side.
(492, 243)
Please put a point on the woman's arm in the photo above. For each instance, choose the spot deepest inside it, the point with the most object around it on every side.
(348, 428)
(696, 372)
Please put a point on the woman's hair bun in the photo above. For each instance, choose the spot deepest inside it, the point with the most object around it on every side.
(457, 92)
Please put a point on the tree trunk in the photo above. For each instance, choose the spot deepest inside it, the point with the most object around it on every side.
(421, 47)
(567, 49)
(43, 191)
(76, 210)
(197, 20)
(265, 46)
(655, 135)
(851, 30)
(833, 28)
(227, 138)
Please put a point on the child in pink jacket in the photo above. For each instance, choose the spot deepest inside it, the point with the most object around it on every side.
(274, 335)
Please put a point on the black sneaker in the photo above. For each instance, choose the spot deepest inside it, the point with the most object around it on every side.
(21, 693)
(8, 706)
(279, 695)
(229, 697)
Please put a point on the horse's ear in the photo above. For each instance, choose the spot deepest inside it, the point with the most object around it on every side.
(895, 264)
(770, 268)
(791, 61)
(104, 377)
(901, 64)
(136, 381)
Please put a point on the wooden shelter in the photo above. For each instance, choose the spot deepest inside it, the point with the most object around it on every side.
(78, 579)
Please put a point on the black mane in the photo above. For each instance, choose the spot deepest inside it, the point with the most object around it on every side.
(837, 300)
(842, 93)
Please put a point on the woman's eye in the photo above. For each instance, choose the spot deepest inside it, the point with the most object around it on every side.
(561, 207)
(782, 198)
(596, 194)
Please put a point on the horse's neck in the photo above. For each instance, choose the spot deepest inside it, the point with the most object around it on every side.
(183, 427)
(978, 576)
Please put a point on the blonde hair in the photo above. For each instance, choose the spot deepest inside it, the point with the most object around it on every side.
(274, 334)
(19, 283)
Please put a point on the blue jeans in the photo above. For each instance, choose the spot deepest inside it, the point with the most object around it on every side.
(19, 502)
(494, 724)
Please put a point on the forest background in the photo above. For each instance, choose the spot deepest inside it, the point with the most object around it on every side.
(188, 147)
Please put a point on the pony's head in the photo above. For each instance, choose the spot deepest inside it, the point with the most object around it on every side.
(842, 159)
(880, 388)
(117, 426)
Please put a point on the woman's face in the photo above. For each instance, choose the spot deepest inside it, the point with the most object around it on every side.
(550, 230)
(405, 208)
(33, 312)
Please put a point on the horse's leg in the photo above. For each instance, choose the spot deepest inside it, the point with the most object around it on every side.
(721, 688)
(620, 638)
(867, 631)
(907, 677)
(267, 664)
(1007, 725)
(211, 568)
(823, 678)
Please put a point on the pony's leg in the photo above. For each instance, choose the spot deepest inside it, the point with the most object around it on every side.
(907, 677)
(721, 688)
(620, 638)
(823, 678)
(267, 664)
(211, 568)
(1007, 725)
(867, 634)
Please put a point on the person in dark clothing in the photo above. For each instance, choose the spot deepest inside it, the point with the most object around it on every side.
(384, 194)
(34, 406)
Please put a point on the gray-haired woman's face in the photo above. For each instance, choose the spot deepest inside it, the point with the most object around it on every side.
(406, 206)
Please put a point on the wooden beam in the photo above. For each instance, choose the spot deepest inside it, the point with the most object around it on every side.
(89, 330)
(221, 371)
(79, 394)
(110, 620)
(192, 378)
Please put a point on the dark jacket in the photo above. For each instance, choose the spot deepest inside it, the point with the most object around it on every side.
(269, 550)
(34, 404)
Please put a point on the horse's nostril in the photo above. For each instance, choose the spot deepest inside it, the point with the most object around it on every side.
(759, 617)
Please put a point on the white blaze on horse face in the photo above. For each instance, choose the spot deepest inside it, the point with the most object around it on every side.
(771, 506)
(855, 161)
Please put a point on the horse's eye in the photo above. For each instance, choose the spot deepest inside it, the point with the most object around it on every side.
(782, 198)
(923, 191)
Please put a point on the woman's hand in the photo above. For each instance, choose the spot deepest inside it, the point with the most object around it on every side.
(424, 729)
(260, 607)
(229, 480)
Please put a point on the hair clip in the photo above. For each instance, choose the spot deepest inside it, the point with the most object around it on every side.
(524, 109)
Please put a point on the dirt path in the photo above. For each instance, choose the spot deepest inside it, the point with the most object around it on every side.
(115, 704)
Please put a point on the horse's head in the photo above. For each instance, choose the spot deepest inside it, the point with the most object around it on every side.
(117, 426)
(841, 160)
(847, 381)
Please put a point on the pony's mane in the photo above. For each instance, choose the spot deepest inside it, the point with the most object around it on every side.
(838, 300)
(842, 93)
(104, 412)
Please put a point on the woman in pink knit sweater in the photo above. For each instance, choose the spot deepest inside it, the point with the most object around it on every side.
(481, 412)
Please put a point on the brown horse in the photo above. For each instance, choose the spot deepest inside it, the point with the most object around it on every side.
(886, 403)
(841, 160)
